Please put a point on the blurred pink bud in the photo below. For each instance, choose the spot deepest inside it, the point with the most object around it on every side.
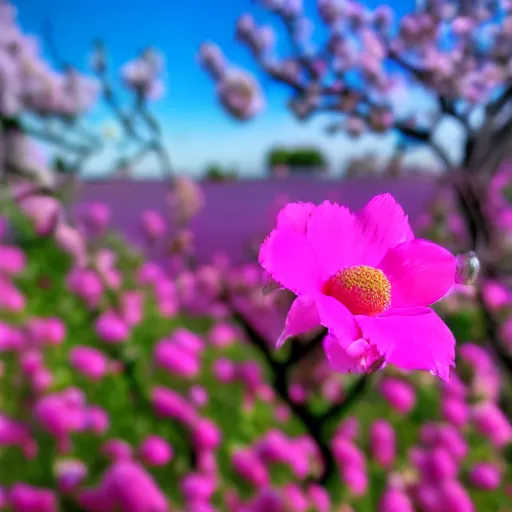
(428, 498)
(382, 442)
(26, 498)
(224, 370)
(319, 498)
(117, 449)
(240, 94)
(198, 396)
(97, 420)
(198, 488)
(356, 479)
(132, 306)
(31, 362)
(297, 393)
(155, 451)
(153, 225)
(188, 340)
(12, 260)
(149, 273)
(89, 361)
(282, 413)
(87, 285)
(211, 57)
(41, 380)
(43, 211)
(399, 393)
(42, 331)
(347, 453)
(176, 360)
(491, 422)
(170, 404)
(70, 241)
(455, 411)
(274, 446)
(206, 435)
(454, 497)
(15, 433)
(439, 466)
(485, 476)
(349, 428)
(223, 335)
(96, 217)
(125, 486)
(294, 498)
(395, 500)
(185, 200)
(11, 298)
(10, 338)
(249, 372)
(60, 415)
(111, 328)
(496, 296)
(249, 466)
(70, 473)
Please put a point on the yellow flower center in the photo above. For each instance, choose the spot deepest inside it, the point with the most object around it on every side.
(363, 290)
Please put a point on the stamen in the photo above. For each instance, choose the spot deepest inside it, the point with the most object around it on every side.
(362, 289)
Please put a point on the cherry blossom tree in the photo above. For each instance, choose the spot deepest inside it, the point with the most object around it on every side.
(456, 55)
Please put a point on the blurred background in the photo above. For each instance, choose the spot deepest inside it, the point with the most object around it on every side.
(146, 150)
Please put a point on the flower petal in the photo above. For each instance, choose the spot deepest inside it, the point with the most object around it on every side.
(333, 234)
(302, 317)
(337, 318)
(295, 216)
(337, 355)
(290, 260)
(412, 339)
(420, 273)
(384, 224)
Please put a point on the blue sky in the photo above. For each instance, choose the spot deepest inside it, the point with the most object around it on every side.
(196, 129)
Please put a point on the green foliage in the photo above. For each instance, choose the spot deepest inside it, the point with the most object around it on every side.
(297, 159)
(217, 173)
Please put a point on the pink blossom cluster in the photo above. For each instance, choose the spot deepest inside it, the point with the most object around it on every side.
(29, 84)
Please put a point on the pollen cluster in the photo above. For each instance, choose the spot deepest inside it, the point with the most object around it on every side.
(363, 290)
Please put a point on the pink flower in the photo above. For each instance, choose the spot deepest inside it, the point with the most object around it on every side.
(117, 449)
(111, 328)
(70, 473)
(167, 403)
(43, 211)
(198, 488)
(206, 435)
(12, 260)
(382, 442)
(26, 498)
(71, 242)
(125, 486)
(399, 393)
(319, 498)
(96, 217)
(485, 476)
(155, 451)
(368, 280)
(249, 466)
(89, 361)
(240, 94)
(153, 225)
(395, 500)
